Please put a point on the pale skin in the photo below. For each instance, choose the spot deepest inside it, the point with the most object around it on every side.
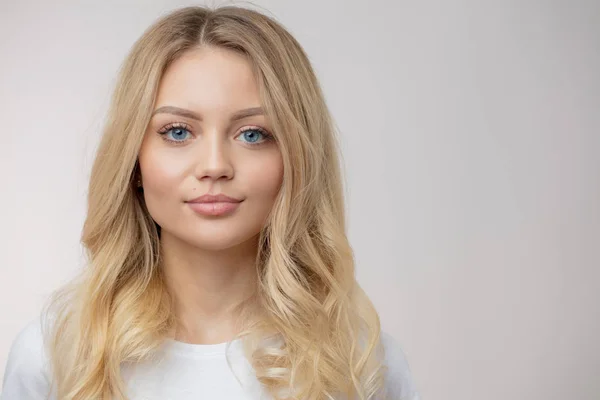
(215, 147)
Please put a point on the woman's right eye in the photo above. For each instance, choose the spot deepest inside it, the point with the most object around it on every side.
(177, 132)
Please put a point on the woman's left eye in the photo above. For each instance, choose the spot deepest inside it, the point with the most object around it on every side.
(252, 135)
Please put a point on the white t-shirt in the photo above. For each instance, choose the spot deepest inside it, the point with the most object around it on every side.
(181, 371)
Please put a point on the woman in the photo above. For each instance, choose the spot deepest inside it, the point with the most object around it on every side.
(219, 267)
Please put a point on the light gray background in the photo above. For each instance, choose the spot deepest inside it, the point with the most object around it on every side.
(471, 134)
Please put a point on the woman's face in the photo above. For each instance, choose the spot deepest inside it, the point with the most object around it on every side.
(208, 135)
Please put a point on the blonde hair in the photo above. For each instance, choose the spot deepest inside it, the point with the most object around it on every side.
(118, 309)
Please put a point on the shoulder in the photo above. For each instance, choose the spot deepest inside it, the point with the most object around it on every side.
(26, 372)
(399, 383)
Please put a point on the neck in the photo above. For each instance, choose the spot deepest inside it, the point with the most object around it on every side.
(208, 287)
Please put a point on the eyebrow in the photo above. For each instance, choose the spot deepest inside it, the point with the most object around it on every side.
(241, 114)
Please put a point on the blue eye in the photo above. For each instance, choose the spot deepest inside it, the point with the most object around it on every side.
(252, 135)
(176, 131)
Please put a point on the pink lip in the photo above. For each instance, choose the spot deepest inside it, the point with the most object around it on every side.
(214, 198)
(214, 205)
(214, 208)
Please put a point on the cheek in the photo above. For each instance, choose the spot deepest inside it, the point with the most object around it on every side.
(161, 175)
(266, 177)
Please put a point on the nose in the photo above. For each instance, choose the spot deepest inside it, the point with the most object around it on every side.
(213, 158)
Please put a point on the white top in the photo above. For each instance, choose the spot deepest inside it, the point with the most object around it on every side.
(183, 371)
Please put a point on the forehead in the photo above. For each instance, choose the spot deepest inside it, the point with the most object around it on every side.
(209, 78)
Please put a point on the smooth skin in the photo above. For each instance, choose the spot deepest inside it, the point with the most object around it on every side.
(208, 135)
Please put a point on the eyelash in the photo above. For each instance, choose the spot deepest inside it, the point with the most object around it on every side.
(178, 125)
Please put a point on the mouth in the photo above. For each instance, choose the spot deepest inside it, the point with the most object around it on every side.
(214, 208)
(215, 198)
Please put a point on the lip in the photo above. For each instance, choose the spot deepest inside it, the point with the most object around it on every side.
(214, 205)
(214, 208)
(214, 198)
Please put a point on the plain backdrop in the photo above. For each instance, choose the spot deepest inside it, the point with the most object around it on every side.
(471, 140)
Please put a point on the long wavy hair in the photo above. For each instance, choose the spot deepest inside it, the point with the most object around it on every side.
(117, 309)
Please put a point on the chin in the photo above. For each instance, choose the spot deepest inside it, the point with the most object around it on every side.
(214, 245)
(217, 241)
